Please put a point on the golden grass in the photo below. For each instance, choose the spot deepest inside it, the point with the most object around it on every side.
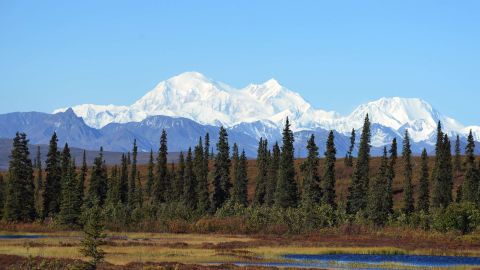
(123, 248)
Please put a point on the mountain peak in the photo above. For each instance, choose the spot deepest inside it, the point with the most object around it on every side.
(190, 75)
(395, 112)
(272, 83)
(194, 96)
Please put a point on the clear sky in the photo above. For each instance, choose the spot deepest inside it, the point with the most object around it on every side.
(337, 54)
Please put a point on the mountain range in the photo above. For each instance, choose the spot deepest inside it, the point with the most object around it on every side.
(189, 105)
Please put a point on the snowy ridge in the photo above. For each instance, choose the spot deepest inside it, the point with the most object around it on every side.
(259, 109)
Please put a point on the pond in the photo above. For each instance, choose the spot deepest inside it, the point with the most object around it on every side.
(407, 260)
(21, 236)
(360, 261)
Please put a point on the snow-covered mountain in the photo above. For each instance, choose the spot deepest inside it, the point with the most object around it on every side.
(192, 95)
(259, 110)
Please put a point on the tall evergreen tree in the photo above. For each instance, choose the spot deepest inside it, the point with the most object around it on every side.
(391, 176)
(70, 206)
(3, 194)
(328, 181)
(262, 172)
(172, 178)
(470, 183)
(376, 207)
(82, 177)
(198, 162)
(448, 170)
(113, 190)
(408, 202)
(133, 176)
(359, 187)
(190, 184)
(19, 201)
(65, 162)
(239, 194)
(98, 180)
(221, 178)
(123, 181)
(442, 173)
(235, 158)
(150, 174)
(39, 186)
(349, 157)
(273, 167)
(161, 181)
(203, 197)
(94, 237)
(51, 198)
(437, 184)
(286, 193)
(457, 161)
(423, 203)
(139, 191)
(311, 179)
(179, 183)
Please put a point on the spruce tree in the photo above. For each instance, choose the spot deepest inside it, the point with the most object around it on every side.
(349, 157)
(408, 202)
(203, 196)
(161, 181)
(3, 194)
(190, 184)
(139, 191)
(273, 167)
(19, 201)
(235, 158)
(172, 177)
(311, 178)
(51, 198)
(470, 183)
(123, 181)
(328, 181)
(94, 237)
(133, 176)
(98, 180)
(38, 184)
(113, 191)
(65, 162)
(286, 193)
(457, 161)
(359, 186)
(436, 180)
(376, 207)
(221, 177)
(82, 177)
(70, 206)
(448, 171)
(442, 173)
(423, 203)
(150, 174)
(239, 194)
(262, 172)
(198, 162)
(391, 175)
(179, 183)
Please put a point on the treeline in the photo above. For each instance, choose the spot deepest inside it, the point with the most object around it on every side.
(191, 195)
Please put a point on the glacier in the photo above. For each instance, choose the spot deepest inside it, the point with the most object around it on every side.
(260, 110)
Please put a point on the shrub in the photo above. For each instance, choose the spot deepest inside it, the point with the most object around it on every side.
(461, 217)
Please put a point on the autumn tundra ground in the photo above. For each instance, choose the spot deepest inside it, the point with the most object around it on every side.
(197, 251)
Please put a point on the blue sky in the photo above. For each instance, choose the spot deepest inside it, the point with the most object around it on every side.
(337, 54)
